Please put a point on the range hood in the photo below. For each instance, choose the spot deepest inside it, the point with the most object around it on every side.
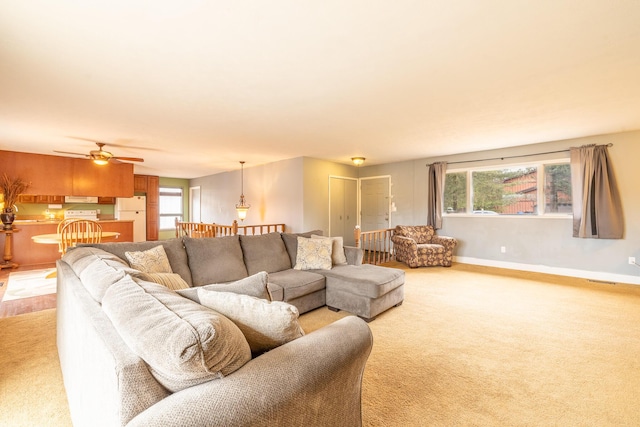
(80, 199)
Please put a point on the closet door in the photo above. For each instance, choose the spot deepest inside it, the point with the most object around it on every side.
(343, 209)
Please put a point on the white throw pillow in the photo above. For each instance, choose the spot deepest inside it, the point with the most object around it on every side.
(313, 254)
(265, 324)
(153, 260)
(337, 250)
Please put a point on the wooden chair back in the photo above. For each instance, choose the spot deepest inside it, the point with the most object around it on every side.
(61, 224)
(79, 231)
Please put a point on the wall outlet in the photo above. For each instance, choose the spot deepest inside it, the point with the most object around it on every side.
(632, 260)
(503, 249)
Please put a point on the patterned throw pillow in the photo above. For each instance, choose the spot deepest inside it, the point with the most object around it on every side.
(153, 260)
(172, 281)
(313, 254)
(265, 324)
(337, 250)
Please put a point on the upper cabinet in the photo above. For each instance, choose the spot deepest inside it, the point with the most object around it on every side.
(68, 176)
(112, 179)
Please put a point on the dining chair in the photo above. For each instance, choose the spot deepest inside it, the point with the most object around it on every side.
(61, 224)
(79, 231)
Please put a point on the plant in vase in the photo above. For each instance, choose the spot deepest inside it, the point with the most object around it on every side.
(11, 188)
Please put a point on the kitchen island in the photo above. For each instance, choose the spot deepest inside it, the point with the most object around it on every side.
(28, 252)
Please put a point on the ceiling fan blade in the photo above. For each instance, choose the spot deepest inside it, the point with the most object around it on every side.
(114, 144)
(67, 152)
(128, 159)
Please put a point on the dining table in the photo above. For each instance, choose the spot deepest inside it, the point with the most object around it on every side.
(54, 238)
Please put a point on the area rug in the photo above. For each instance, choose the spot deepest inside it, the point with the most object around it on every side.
(31, 283)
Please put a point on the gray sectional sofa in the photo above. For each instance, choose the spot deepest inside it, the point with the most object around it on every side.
(313, 380)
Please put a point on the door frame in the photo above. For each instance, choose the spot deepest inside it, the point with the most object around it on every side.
(191, 207)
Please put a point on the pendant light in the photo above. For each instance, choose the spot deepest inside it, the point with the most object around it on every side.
(242, 208)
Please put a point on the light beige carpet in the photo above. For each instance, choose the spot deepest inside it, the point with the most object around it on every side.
(467, 348)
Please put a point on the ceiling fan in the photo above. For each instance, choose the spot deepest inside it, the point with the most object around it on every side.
(102, 157)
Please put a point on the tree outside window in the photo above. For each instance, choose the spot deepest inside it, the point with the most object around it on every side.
(510, 191)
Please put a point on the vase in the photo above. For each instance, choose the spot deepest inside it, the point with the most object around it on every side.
(7, 219)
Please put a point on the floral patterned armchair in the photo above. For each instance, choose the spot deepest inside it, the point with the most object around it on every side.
(418, 246)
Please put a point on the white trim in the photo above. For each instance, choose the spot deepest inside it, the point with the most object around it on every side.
(583, 274)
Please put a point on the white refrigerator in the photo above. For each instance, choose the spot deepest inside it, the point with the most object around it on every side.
(134, 208)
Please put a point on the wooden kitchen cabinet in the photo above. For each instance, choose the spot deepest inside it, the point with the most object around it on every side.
(68, 176)
(39, 198)
(153, 207)
(106, 200)
(26, 198)
(150, 185)
(140, 183)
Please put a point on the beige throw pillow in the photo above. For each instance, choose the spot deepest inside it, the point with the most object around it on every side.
(265, 325)
(337, 249)
(313, 254)
(153, 260)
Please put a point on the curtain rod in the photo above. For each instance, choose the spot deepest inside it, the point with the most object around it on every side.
(511, 157)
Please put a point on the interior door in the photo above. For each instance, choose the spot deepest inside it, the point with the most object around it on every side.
(343, 208)
(375, 201)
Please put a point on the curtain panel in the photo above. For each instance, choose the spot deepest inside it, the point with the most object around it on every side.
(597, 208)
(435, 193)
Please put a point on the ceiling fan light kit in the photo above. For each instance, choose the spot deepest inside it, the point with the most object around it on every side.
(102, 157)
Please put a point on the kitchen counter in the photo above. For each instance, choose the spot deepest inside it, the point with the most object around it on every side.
(27, 252)
(27, 222)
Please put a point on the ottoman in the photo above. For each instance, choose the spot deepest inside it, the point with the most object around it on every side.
(364, 290)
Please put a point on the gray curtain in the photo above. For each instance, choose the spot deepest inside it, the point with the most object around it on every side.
(435, 193)
(597, 209)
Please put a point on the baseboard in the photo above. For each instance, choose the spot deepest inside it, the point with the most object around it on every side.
(583, 274)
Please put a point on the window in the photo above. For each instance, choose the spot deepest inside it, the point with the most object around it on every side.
(511, 190)
(170, 207)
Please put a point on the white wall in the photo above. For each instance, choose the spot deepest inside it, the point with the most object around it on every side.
(535, 244)
(274, 191)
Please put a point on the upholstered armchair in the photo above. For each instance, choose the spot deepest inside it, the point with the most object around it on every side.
(418, 246)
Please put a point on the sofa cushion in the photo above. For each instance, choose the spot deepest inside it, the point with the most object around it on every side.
(337, 249)
(174, 249)
(254, 285)
(367, 280)
(264, 252)
(294, 284)
(152, 260)
(265, 325)
(97, 269)
(183, 343)
(313, 254)
(172, 281)
(291, 243)
(215, 260)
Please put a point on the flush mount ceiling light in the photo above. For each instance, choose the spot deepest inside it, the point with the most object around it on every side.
(358, 160)
(242, 208)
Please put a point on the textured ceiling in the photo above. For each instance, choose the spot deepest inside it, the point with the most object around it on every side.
(196, 86)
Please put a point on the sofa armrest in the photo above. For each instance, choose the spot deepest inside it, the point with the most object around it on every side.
(448, 242)
(354, 255)
(315, 380)
(404, 241)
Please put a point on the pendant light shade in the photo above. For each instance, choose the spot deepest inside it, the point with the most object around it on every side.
(243, 207)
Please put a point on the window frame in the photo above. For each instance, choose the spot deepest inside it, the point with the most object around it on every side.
(540, 193)
(170, 214)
